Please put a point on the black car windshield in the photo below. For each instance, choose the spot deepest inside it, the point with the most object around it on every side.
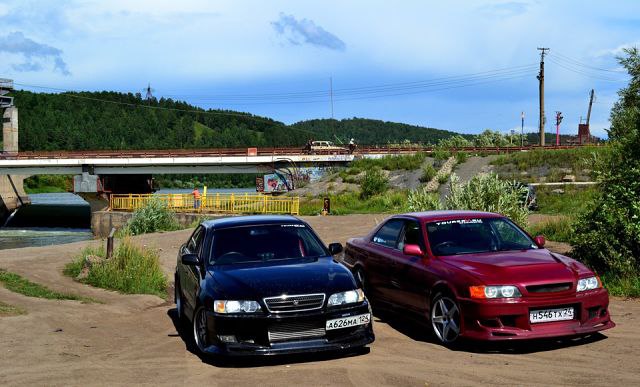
(466, 236)
(263, 243)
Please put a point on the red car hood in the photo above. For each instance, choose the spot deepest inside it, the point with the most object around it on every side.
(517, 267)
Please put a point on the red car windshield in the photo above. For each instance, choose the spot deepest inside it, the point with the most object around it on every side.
(479, 235)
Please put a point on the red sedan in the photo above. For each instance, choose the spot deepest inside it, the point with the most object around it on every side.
(477, 275)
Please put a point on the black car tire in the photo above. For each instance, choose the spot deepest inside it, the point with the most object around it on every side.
(199, 330)
(179, 300)
(445, 318)
(361, 278)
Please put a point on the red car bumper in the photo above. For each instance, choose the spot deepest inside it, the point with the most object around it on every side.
(509, 319)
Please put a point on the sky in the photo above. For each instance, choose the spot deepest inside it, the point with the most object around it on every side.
(464, 66)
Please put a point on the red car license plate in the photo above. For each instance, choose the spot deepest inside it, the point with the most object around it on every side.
(546, 315)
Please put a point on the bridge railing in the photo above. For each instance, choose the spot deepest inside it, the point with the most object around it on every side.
(211, 203)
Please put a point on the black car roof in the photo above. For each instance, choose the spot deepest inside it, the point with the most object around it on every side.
(251, 220)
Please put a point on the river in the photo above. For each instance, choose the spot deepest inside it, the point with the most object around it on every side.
(58, 218)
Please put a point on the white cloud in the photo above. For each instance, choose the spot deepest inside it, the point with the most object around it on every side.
(33, 53)
(305, 31)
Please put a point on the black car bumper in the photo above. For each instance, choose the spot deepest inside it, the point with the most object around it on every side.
(286, 333)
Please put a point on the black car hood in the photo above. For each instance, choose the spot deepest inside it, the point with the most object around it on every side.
(255, 281)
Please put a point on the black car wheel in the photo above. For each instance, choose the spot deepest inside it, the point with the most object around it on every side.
(178, 299)
(200, 329)
(362, 279)
(445, 318)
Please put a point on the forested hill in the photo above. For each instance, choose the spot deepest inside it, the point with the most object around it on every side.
(89, 121)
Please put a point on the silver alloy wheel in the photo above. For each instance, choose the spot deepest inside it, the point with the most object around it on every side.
(445, 319)
(200, 329)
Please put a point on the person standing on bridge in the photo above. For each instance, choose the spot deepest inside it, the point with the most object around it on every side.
(352, 145)
(196, 198)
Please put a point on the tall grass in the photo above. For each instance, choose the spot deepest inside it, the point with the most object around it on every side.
(482, 193)
(575, 158)
(391, 163)
(132, 269)
(574, 200)
(559, 230)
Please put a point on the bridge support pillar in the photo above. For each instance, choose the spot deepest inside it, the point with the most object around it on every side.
(10, 130)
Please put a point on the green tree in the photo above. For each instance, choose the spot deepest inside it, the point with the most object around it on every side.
(608, 234)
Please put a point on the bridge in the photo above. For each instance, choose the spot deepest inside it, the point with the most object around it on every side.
(197, 161)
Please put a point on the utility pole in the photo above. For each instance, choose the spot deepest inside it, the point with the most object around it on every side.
(331, 94)
(591, 95)
(522, 129)
(558, 121)
(543, 51)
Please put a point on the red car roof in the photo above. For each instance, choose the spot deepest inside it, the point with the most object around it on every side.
(430, 216)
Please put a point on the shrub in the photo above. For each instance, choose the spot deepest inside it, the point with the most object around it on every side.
(443, 178)
(488, 193)
(423, 200)
(456, 141)
(132, 270)
(461, 157)
(153, 217)
(373, 182)
(441, 154)
(428, 173)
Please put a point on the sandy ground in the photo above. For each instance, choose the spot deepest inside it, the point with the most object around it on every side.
(133, 340)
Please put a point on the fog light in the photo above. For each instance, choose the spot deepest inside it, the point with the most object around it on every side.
(227, 338)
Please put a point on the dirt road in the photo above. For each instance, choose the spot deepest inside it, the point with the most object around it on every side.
(133, 340)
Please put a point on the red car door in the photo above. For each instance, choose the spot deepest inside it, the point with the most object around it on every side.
(408, 278)
(380, 251)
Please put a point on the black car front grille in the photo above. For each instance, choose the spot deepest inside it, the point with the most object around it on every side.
(288, 331)
(549, 288)
(295, 303)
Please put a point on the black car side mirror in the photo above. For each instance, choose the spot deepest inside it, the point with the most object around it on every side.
(190, 259)
(335, 248)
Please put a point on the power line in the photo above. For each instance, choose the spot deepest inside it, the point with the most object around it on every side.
(365, 89)
(577, 62)
(577, 70)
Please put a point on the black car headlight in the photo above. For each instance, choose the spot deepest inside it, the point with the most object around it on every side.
(345, 298)
(236, 306)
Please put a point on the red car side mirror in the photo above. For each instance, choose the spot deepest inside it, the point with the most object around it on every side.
(413, 250)
(540, 241)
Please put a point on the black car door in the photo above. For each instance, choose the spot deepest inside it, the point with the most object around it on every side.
(190, 280)
(408, 284)
(380, 251)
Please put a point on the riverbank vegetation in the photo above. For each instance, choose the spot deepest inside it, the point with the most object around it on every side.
(19, 284)
(224, 180)
(132, 269)
(48, 183)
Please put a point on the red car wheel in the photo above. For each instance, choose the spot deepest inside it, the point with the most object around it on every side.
(445, 318)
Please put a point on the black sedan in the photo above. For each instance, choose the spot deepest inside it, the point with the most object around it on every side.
(267, 285)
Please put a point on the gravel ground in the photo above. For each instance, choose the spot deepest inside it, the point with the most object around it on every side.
(132, 339)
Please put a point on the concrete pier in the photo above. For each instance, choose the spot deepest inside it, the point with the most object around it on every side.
(103, 221)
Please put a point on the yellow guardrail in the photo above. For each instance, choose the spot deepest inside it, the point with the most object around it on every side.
(213, 203)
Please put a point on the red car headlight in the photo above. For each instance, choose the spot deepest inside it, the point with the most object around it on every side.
(499, 291)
